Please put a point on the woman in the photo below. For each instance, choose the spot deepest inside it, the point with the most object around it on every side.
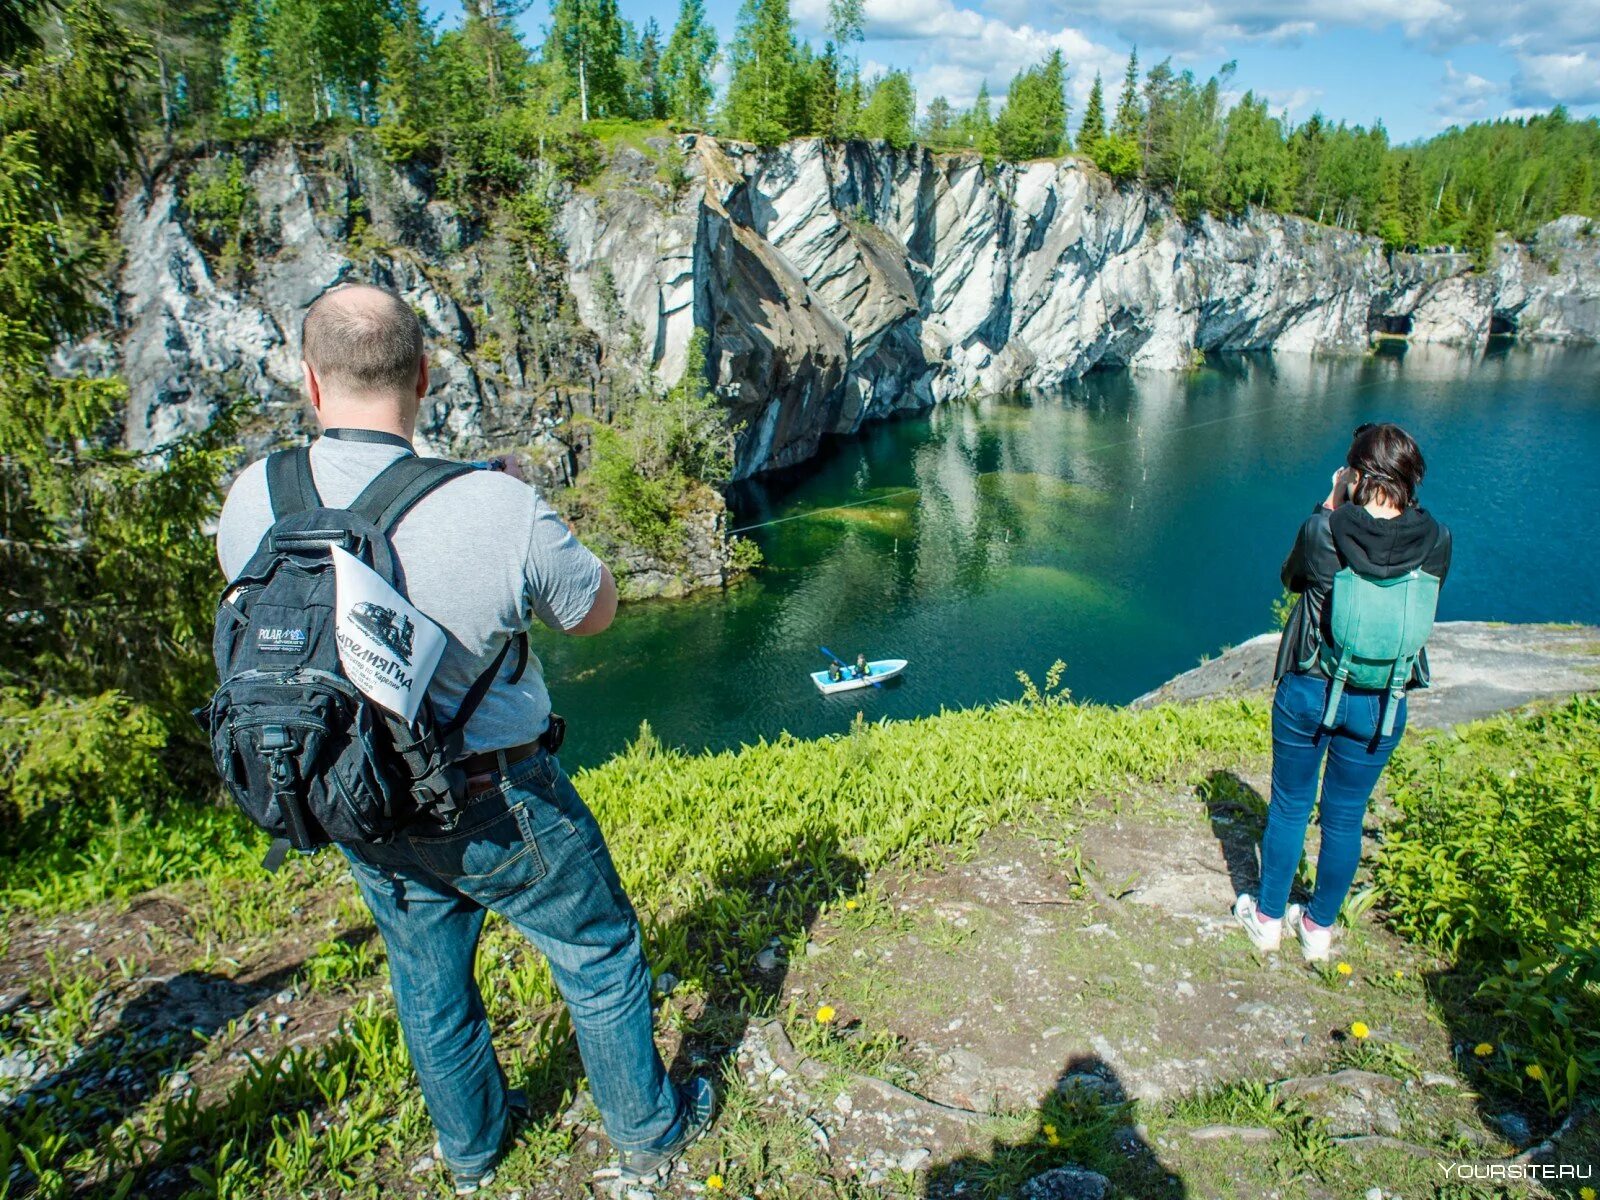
(1371, 523)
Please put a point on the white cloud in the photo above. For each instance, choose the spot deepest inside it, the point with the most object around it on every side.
(951, 50)
(1294, 101)
(1554, 43)
(1465, 96)
(1570, 78)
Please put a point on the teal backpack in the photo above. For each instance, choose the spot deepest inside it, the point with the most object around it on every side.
(1378, 626)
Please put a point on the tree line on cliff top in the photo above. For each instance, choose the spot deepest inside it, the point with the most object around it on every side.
(479, 100)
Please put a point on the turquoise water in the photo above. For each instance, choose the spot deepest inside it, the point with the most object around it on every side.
(1127, 527)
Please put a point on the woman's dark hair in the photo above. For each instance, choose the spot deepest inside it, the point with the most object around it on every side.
(1390, 463)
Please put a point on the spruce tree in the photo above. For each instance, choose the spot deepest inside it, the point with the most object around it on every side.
(761, 100)
(1092, 129)
(1033, 123)
(406, 91)
(245, 62)
(586, 44)
(686, 67)
(1481, 231)
(1118, 153)
(890, 112)
(650, 98)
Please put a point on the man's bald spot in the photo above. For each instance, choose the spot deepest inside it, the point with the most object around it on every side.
(363, 338)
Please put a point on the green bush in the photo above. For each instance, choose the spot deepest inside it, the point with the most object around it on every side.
(1495, 841)
(1492, 859)
(653, 465)
(221, 204)
(68, 763)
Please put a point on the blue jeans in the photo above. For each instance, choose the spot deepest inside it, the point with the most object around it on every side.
(1356, 757)
(531, 851)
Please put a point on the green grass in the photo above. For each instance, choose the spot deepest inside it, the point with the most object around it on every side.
(723, 853)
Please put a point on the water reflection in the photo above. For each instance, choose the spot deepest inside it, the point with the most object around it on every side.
(1128, 527)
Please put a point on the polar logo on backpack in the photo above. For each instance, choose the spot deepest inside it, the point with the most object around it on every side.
(276, 639)
(388, 648)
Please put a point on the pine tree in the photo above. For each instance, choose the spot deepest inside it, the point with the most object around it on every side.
(490, 39)
(937, 121)
(1092, 129)
(761, 100)
(686, 67)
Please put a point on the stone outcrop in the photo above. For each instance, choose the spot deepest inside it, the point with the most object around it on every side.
(835, 283)
(1479, 668)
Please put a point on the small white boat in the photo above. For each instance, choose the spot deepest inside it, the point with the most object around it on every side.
(877, 672)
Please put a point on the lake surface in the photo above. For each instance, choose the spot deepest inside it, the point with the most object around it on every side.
(1128, 527)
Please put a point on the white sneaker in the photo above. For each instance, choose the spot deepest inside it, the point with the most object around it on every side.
(1266, 935)
(1315, 944)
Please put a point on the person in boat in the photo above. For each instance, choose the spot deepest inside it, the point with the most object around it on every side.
(1367, 549)
(861, 666)
(834, 673)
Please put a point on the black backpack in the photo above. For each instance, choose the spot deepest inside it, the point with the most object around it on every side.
(304, 753)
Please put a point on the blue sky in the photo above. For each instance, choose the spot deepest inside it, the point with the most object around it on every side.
(1419, 65)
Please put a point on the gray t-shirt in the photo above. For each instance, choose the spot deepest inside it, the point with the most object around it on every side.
(483, 555)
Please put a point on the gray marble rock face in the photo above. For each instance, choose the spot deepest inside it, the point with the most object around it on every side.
(840, 283)
(185, 340)
(836, 284)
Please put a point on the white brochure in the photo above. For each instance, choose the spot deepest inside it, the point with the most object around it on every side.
(387, 647)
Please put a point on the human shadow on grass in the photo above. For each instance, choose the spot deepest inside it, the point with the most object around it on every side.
(734, 940)
(1083, 1144)
(1238, 815)
(715, 965)
(144, 1053)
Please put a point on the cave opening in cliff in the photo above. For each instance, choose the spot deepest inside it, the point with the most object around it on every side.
(1502, 325)
(1392, 324)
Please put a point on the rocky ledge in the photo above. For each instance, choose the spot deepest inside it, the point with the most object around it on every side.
(1479, 668)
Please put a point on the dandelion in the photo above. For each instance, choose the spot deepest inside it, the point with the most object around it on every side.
(1359, 1030)
(1399, 974)
(1345, 968)
(1483, 1049)
(1051, 1136)
(852, 905)
(1535, 1072)
(825, 1015)
(714, 1183)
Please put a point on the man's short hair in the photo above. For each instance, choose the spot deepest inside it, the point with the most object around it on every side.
(364, 337)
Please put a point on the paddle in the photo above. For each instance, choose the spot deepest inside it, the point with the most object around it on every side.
(877, 683)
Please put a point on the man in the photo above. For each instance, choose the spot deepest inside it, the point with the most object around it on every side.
(482, 556)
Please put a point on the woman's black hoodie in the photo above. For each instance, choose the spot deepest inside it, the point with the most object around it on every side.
(1382, 548)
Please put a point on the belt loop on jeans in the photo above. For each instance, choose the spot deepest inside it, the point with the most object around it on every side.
(500, 763)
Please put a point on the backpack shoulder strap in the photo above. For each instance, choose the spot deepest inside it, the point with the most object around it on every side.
(290, 487)
(400, 485)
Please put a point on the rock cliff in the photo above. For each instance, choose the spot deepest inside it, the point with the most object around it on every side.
(840, 283)
(835, 283)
